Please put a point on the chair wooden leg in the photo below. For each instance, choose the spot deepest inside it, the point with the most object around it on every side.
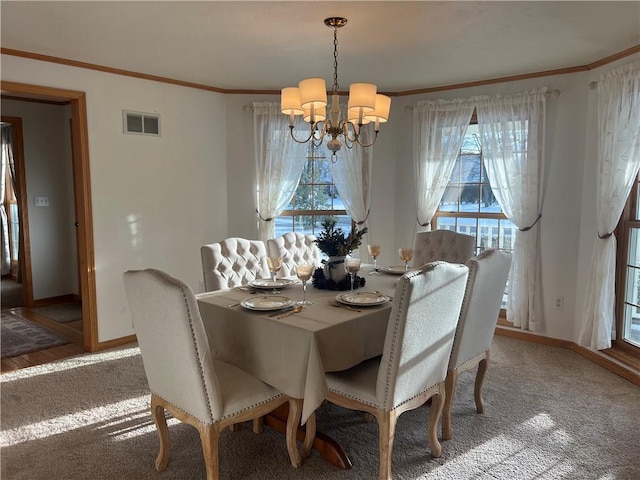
(434, 415)
(293, 420)
(157, 412)
(386, 433)
(209, 437)
(477, 391)
(309, 435)
(450, 390)
(258, 425)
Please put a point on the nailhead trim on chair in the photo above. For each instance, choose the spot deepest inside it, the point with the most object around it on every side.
(164, 279)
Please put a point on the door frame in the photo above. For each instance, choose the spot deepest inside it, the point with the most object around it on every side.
(82, 187)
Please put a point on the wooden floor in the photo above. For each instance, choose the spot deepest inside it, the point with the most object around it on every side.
(71, 331)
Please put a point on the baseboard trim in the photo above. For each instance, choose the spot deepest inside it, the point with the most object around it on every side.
(116, 342)
(613, 365)
(70, 297)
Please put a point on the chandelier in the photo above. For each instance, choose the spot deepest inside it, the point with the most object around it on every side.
(309, 99)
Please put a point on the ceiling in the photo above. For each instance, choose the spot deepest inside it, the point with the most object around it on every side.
(267, 45)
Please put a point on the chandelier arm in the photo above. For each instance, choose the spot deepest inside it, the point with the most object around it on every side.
(349, 126)
(365, 145)
(291, 127)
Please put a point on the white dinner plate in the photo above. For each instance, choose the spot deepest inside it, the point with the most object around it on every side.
(267, 302)
(397, 270)
(269, 284)
(362, 299)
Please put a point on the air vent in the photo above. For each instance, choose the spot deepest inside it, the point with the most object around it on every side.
(141, 123)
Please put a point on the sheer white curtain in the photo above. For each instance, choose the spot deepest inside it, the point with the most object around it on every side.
(279, 163)
(7, 158)
(439, 127)
(512, 132)
(618, 163)
(352, 177)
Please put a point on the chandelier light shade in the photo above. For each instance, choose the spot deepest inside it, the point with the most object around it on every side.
(309, 99)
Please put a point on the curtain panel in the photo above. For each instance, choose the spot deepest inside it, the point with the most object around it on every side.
(7, 161)
(352, 177)
(439, 127)
(618, 163)
(279, 164)
(512, 130)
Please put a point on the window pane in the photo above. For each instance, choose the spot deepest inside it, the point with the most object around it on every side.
(449, 202)
(283, 225)
(631, 322)
(321, 197)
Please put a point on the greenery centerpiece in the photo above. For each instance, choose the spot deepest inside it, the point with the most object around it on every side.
(333, 242)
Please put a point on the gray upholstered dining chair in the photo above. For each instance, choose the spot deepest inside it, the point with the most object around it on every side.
(413, 365)
(184, 376)
(295, 248)
(488, 273)
(233, 262)
(442, 245)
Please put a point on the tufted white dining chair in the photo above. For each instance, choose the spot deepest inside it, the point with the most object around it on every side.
(184, 376)
(442, 245)
(295, 248)
(233, 262)
(488, 273)
(413, 365)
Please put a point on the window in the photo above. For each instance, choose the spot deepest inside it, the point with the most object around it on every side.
(468, 205)
(315, 199)
(628, 279)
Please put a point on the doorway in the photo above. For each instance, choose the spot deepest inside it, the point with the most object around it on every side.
(82, 202)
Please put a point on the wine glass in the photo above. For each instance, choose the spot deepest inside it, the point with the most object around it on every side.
(374, 251)
(406, 254)
(352, 265)
(304, 273)
(274, 264)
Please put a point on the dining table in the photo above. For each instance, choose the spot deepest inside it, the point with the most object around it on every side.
(292, 352)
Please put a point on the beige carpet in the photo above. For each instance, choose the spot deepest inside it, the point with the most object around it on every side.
(550, 414)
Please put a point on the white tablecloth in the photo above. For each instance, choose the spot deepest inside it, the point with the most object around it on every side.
(293, 353)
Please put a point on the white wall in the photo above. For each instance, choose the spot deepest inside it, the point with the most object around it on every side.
(155, 200)
(48, 169)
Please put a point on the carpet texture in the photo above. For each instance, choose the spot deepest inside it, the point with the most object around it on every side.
(550, 414)
(19, 337)
(61, 312)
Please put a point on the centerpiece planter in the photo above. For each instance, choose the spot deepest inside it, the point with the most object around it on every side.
(336, 246)
(334, 268)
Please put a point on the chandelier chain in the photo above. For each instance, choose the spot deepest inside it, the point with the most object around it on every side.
(335, 60)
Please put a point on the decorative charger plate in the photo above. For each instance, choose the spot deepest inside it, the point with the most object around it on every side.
(362, 299)
(269, 284)
(397, 270)
(267, 302)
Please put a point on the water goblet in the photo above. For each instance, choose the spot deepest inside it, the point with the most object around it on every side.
(304, 273)
(352, 265)
(406, 254)
(274, 264)
(374, 251)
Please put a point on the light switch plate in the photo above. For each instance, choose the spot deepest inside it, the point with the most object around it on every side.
(41, 201)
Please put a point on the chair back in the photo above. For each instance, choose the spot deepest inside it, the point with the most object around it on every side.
(175, 350)
(442, 245)
(420, 332)
(233, 262)
(295, 248)
(488, 273)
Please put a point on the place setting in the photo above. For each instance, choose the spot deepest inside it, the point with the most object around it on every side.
(406, 255)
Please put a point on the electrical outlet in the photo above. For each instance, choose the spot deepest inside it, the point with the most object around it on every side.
(558, 303)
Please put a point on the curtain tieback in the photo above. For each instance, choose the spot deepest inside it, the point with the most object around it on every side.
(423, 224)
(605, 236)
(270, 219)
(365, 218)
(526, 229)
